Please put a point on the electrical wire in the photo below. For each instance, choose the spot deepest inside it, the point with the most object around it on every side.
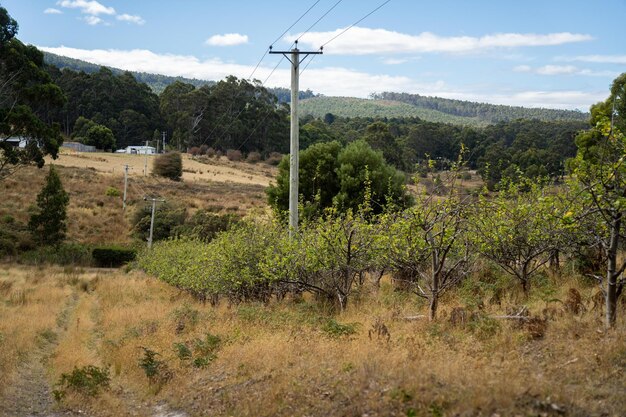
(277, 39)
(318, 20)
(300, 18)
(354, 24)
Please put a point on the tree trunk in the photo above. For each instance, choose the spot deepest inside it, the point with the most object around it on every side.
(432, 308)
(611, 276)
(434, 294)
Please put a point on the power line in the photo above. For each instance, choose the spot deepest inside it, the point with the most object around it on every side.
(354, 24)
(318, 20)
(277, 39)
(300, 18)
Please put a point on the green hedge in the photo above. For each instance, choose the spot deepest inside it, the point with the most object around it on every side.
(113, 256)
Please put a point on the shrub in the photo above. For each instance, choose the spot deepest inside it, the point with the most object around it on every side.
(205, 225)
(273, 158)
(113, 256)
(88, 381)
(335, 329)
(166, 219)
(63, 254)
(228, 266)
(210, 152)
(112, 192)
(253, 157)
(234, 155)
(194, 150)
(156, 370)
(169, 165)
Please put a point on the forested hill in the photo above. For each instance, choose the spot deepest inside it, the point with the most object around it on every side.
(156, 82)
(353, 107)
(382, 105)
(490, 113)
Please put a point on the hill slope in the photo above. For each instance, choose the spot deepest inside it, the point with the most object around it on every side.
(360, 107)
(390, 105)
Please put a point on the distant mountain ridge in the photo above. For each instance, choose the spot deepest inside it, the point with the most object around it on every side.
(380, 105)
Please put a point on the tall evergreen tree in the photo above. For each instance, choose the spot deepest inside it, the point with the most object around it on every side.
(47, 223)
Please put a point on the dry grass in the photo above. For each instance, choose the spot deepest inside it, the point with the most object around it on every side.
(278, 359)
(95, 218)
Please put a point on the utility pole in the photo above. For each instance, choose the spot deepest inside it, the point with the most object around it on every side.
(295, 56)
(164, 141)
(125, 186)
(154, 201)
(145, 165)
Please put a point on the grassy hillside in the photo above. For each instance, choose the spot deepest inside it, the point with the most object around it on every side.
(359, 107)
(292, 358)
(97, 218)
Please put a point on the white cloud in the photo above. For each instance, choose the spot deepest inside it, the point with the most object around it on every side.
(362, 41)
(564, 70)
(331, 81)
(394, 61)
(93, 20)
(227, 39)
(598, 59)
(91, 7)
(130, 19)
(51, 10)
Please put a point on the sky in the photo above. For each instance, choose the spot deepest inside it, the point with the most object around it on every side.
(547, 53)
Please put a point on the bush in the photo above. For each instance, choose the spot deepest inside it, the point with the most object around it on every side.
(195, 151)
(113, 256)
(205, 225)
(210, 152)
(253, 157)
(234, 155)
(169, 165)
(273, 158)
(88, 381)
(112, 192)
(167, 218)
(228, 266)
(64, 254)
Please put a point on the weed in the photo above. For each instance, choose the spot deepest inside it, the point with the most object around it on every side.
(335, 329)
(208, 345)
(46, 336)
(156, 370)
(182, 351)
(484, 327)
(87, 381)
(185, 316)
(112, 192)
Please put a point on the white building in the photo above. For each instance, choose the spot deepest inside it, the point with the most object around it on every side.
(138, 150)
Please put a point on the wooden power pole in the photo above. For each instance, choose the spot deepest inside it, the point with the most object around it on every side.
(295, 56)
(154, 201)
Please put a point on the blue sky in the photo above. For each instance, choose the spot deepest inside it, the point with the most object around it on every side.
(548, 53)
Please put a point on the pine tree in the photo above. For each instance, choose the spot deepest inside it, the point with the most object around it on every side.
(47, 223)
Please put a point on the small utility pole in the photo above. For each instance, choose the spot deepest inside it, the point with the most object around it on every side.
(164, 141)
(295, 56)
(154, 201)
(125, 186)
(145, 165)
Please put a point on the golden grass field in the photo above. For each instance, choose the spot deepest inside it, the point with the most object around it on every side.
(94, 217)
(282, 359)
